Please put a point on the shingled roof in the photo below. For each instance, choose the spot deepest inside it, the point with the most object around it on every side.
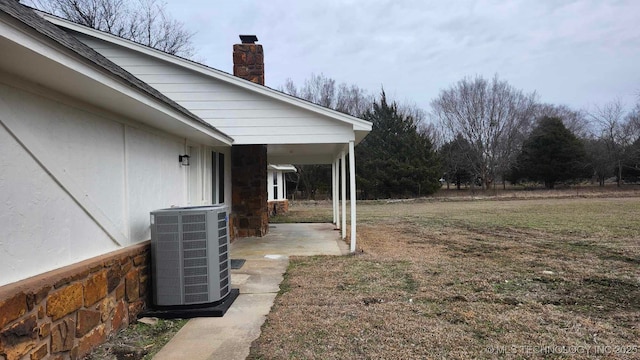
(27, 16)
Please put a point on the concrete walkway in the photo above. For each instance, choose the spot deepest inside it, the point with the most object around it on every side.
(267, 258)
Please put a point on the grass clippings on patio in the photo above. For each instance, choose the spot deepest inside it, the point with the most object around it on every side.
(479, 279)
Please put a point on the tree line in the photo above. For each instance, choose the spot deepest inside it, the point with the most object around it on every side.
(479, 133)
(492, 132)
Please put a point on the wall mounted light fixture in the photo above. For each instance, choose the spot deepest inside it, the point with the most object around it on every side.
(184, 160)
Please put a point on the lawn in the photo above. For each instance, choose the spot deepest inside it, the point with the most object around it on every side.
(536, 278)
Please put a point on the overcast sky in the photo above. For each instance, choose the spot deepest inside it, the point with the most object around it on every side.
(578, 53)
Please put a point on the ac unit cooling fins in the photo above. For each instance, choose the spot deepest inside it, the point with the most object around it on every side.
(190, 255)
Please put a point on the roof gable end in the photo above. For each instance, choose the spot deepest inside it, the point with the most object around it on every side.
(359, 125)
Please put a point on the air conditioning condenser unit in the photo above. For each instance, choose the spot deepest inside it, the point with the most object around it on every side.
(190, 265)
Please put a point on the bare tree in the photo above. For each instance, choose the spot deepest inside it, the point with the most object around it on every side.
(598, 156)
(353, 100)
(575, 121)
(432, 132)
(609, 121)
(492, 116)
(322, 90)
(410, 109)
(632, 125)
(143, 21)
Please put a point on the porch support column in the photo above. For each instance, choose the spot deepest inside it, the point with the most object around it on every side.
(284, 186)
(352, 188)
(333, 191)
(343, 186)
(279, 182)
(249, 190)
(270, 194)
(337, 191)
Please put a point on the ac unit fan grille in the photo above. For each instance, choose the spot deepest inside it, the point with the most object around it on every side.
(198, 253)
(195, 263)
(195, 299)
(190, 245)
(223, 250)
(196, 289)
(195, 218)
(194, 227)
(194, 233)
(190, 236)
(193, 280)
(168, 228)
(195, 271)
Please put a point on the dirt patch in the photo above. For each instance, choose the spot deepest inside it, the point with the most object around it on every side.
(138, 341)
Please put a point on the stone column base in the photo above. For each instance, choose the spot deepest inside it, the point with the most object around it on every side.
(278, 207)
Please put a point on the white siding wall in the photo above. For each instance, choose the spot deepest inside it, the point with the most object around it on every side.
(76, 182)
(249, 118)
(155, 178)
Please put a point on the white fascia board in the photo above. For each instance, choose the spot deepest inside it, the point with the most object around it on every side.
(283, 167)
(318, 159)
(363, 127)
(80, 65)
(358, 124)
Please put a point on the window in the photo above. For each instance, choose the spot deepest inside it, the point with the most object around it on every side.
(275, 186)
(217, 178)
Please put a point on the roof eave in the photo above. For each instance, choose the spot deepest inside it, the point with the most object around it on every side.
(113, 91)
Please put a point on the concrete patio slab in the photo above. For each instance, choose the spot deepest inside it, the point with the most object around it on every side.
(259, 279)
(291, 240)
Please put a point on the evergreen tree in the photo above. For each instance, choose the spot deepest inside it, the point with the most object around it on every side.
(551, 154)
(395, 159)
(458, 158)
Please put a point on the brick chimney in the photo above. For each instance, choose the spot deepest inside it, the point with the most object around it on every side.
(250, 215)
(248, 59)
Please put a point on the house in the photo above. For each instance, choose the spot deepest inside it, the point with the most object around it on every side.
(277, 188)
(94, 131)
(266, 125)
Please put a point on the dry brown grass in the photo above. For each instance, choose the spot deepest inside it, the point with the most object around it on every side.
(556, 278)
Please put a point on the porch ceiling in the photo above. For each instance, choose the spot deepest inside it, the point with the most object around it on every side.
(303, 154)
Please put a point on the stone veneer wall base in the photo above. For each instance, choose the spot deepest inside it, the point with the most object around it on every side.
(278, 207)
(66, 313)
